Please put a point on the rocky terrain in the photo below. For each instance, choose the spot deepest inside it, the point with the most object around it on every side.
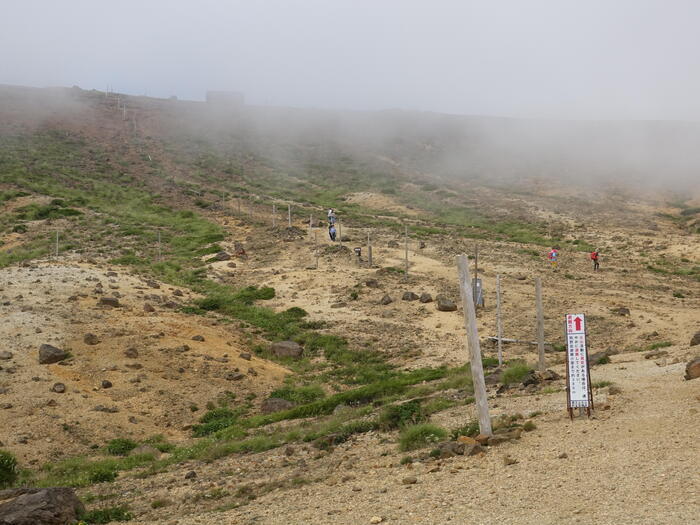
(147, 372)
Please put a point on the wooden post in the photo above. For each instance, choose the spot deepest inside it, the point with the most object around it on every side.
(369, 251)
(472, 340)
(316, 247)
(289, 215)
(405, 233)
(540, 323)
(476, 274)
(499, 321)
(274, 215)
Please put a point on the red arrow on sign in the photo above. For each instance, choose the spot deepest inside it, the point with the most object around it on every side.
(577, 322)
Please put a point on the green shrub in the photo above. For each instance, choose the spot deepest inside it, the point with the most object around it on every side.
(406, 460)
(216, 419)
(603, 360)
(515, 373)
(396, 416)
(102, 474)
(300, 395)
(107, 515)
(8, 468)
(121, 446)
(470, 429)
(419, 436)
(529, 426)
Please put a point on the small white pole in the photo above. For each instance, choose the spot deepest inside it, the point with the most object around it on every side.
(472, 341)
(405, 277)
(499, 323)
(540, 323)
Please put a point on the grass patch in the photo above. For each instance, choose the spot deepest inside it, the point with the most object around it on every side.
(108, 515)
(601, 384)
(121, 446)
(419, 436)
(661, 344)
(400, 415)
(300, 395)
(8, 468)
(515, 373)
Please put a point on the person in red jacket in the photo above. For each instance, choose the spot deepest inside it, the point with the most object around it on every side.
(594, 257)
(553, 256)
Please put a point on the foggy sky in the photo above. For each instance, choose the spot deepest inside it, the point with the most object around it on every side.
(593, 59)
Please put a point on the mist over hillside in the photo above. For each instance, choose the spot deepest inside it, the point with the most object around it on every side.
(490, 150)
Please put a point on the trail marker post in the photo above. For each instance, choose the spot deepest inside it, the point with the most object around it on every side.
(477, 291)
(405, 234)
(369, 251)
(579, 393)
(540, 324)
(472, 340)
(316, 247)
(499, 321)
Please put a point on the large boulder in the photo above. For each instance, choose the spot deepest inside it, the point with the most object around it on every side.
(30, 506)
(286, 349)
(692, 369)
(275, 404)
(50, 354)
(445, 305)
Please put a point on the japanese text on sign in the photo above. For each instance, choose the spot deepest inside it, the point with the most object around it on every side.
(577, 357)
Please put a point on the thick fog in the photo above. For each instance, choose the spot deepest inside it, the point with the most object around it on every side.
(566, 59)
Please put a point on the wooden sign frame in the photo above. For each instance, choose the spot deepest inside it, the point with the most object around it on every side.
(567, 333)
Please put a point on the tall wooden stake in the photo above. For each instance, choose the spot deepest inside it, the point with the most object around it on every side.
(405, 234)
(499, 321)
(540, 323)
(316, 247)
(369, 251)
(476, 274)
(472, 340)
(289, 215)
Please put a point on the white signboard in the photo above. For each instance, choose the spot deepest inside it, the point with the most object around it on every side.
(577, 361)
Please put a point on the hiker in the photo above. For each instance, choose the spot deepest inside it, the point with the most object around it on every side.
(552, 256)
(331, 232)
(594, 257)
(331, 216)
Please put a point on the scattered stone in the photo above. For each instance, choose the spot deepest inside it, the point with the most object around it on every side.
(482, 439)
(410, 480)
(695, 340)
(286, 349)
(598, 358)
(386, 300)
(221, 256)
(532, 378)
(467, 440)
(50, 354)
(445, 305)
(372, 283)
(5, 355)
(507, 460)
(563, 455)
(33, 506)
(106, 384)
(692, 369)
(654, 354)
(339, 305)
(450, 449)
(112, 302)
(199, 338)
(614, 390)
(409, 296)
(376, 519)
(191, 475)
(245, 355)
(59, 388)
(108, 410)
(148, 308)
(473, 450)
(425, 297)
(152, 284)
(131, 353)
(91, 339)
(622, 311)
(178, 293)
(275, 404)
(235, 376)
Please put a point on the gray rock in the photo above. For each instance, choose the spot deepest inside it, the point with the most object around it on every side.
(91, 339)
(199, 338)
(50, 354)
(221, 256)
(275, 404)
(235, 376)
(132, 353)
(59, 388)
(5, 355)
(148, 308)
(106, 384)
(425, 298)
(112, 302)
(445, 305)
(695, 339)
(372, 283)
(34, 506)
(409, 296)
(191, 475)
(286, 349)
(245, 355)
(386, 300)
(692, 369)
(622, 311)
